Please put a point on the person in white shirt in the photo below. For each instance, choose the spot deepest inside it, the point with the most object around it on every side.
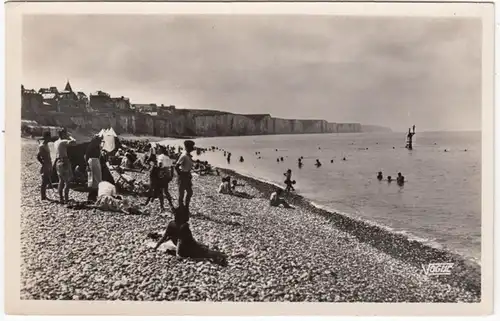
(183, 167)
(276, 200)
(63, 165)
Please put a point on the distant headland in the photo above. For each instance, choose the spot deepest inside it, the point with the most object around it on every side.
(75, 110)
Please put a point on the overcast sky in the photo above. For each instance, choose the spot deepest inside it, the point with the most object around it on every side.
(392, 72)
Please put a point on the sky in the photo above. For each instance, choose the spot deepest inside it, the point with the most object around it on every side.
(392, 72)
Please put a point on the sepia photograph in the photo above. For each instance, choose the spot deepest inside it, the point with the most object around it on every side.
(241, 157)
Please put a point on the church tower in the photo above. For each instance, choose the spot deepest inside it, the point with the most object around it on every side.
(68, 87)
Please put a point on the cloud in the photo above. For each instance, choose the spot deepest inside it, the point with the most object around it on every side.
(359, 69)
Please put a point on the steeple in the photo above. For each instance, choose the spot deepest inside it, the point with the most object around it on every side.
(68, 87)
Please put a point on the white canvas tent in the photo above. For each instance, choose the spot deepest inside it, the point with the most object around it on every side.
(111, 132)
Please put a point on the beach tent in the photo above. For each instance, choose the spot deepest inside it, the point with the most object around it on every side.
(109, 139)
(101, 133)
(111, 132)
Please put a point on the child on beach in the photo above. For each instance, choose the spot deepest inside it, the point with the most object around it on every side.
(276, 200)
(288, 181)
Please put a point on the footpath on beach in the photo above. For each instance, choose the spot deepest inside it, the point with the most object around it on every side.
(274, 254)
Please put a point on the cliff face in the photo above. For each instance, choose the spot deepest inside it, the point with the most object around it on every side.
(187, 123)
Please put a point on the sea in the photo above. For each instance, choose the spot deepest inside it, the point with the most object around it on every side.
(440, 203)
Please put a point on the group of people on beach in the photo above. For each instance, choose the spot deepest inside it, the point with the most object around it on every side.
(103, 194)
(95, 159)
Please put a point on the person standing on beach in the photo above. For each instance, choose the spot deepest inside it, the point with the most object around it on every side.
(45, 160)
(183, 167)
(63, 165)
(288, 181)
(92, 156)
(159, 178)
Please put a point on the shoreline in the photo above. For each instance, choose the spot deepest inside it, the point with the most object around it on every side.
(275, 254)
(398, 245)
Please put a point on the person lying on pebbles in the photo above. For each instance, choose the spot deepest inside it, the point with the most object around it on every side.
(108, 200)
(226, 188)
(236, 184)
(276, 200)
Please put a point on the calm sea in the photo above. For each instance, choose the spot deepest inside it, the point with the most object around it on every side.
(440, 204)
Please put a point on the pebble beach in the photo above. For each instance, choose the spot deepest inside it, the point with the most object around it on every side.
(274, 254)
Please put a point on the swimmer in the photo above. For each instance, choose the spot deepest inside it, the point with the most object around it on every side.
(380, 176)
(278, 160)
(318, 163)
(331, 161)
(344, 159)
(400, 179)
(389, 179)
(281, 158)
(242, 159)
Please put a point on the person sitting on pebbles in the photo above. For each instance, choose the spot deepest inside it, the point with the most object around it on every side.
(276, 200)
(225, 186)
(179, 232)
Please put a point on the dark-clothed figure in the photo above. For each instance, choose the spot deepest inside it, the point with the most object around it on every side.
(45, 160)
(159, 178)
(183, 166)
